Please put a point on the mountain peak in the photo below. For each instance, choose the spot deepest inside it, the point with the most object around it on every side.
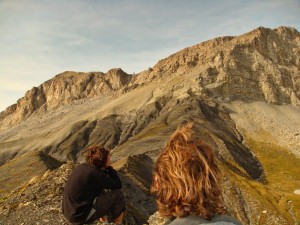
(288, 30)
(116, 71)
(261, 64)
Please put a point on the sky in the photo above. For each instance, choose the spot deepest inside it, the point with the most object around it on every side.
(42, 38)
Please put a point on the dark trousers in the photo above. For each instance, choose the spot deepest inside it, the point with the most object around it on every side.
(110, 203)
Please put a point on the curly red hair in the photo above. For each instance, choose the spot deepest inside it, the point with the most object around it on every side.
(186, 178)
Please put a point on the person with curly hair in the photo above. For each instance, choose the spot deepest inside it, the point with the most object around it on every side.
(186, 182)
(93, 190)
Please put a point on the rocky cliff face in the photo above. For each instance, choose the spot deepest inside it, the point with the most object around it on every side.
(260, 65)
(64, 89)
(241, 92)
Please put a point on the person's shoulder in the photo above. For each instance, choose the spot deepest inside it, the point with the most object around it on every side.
(196, 220)
(90, 169)
(81, 166)
(225, 219)
(84, 167)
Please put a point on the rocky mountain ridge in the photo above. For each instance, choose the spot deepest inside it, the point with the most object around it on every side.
(260, 65)
(241, 92)
(65, 88)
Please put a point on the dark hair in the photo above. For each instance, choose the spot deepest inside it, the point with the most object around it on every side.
(96, 155)
(186, 178)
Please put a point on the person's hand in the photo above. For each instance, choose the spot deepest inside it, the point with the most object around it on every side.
(108, 162)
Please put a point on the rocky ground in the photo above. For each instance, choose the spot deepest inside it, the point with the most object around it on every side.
(281, 122)
(39, 201)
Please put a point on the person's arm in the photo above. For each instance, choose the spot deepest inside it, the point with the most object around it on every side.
(110, 179)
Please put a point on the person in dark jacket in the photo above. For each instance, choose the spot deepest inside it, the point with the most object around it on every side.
(93, 190)
(187, 182)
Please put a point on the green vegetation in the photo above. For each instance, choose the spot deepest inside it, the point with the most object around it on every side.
(283, 178)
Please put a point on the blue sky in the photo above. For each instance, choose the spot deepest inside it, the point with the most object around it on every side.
(41, 38)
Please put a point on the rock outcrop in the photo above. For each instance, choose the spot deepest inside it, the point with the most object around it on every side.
(64, 89)
(260, 65)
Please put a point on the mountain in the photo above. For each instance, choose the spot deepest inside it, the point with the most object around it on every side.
(243, 94)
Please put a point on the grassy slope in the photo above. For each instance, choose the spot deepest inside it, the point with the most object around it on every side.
(283, 178)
